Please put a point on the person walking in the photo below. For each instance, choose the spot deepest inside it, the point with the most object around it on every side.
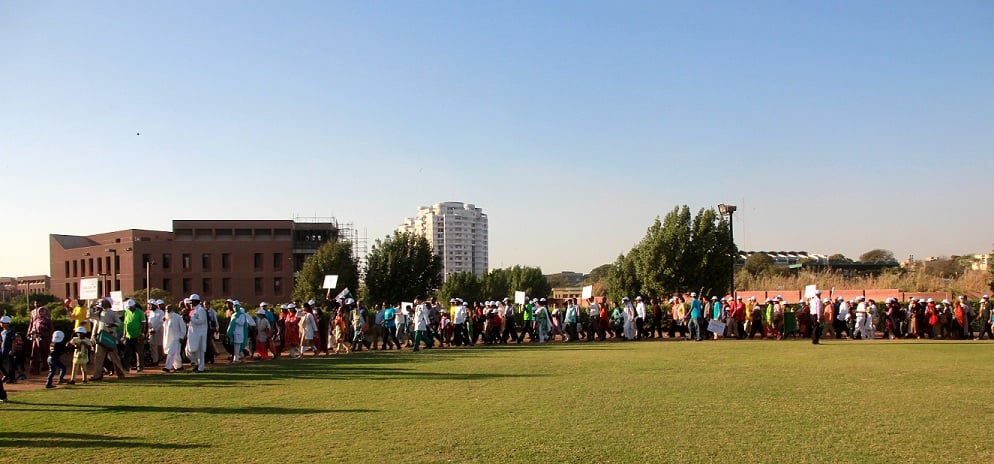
(390, 328)
(59, 347)
(135, 327)
(155, 317)
(421, 325)
(196, 340)
(106, 339)
(985, 318)
(815, 309)
(696, 316)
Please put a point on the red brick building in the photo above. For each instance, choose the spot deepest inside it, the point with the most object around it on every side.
(248, 260)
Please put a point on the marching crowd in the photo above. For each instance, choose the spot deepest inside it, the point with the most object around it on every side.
(106, 342)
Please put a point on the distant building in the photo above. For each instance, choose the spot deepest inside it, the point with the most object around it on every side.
(16, 286)
(249, 260)
(457, 232)
(565, 293)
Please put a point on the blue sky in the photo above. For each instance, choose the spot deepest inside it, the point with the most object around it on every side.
(834, 126)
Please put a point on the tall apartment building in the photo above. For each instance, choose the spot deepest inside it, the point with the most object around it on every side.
(458, 234)
(249, 260)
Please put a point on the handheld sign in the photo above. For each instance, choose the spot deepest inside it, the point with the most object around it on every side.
(330, 282)
(117, 298)
(809, 291)
(588, 292)
(88, 289)
(519, 298)
(342, 294)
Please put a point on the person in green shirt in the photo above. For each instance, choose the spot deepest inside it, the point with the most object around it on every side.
(528, 315)
(134, 336)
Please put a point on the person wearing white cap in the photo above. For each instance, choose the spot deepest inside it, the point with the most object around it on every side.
(196, 340)
(862, 328)
(696, 321)
(308, 330)
(894, 314)
(81, 357)
(59, 347)
(970, 316)
(984, 312)
(543, 321)
(263, 332)
(461, 317)
(507, 313)
(640, 315)
(135, 328)
(173, 331)
(842, 322)
(421, 324)
(237, 332)
(815, 310)
(291, 331)
(528, 324)
(155, 317)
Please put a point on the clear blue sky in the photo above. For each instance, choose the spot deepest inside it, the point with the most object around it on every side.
(834, 126)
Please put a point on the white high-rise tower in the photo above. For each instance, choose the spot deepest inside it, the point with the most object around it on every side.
(457, 233)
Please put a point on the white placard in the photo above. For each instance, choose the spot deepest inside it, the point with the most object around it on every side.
(118, 299)
(404, 304)
(88, 289)
(519, 298)
(330, 281)
(717, 327)
(588, 292)
(342, 294)
(809, 291)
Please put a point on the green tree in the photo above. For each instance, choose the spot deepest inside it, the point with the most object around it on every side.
(529, 280)
(401, 267)
(759, 264)
(598, 273)
(838, 258)
(878, 255)
(496, 285)
(622, 279)
(556, 280)
(463, 285)
(683, 253)
(333, 258)
(156, 294)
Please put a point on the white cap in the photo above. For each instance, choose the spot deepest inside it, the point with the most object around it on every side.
(81, 330)
(930, 301)
(839, 298)
(159, 302)
(739, 297)
(5, 320)
(817, 292)
(58, 336)
(541, 300)
(714, 298)
(693, 293)
(638, 298)
(194, 297)
(312, 302)
(260, 312)
(986, 297)
(945, 302)
(130, 303)
(624, 298)
(291, 306)
(263, 304)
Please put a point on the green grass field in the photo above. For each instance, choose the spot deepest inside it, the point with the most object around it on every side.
(730, 401)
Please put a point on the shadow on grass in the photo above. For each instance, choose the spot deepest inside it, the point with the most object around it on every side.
(83, 440)
(250, 410)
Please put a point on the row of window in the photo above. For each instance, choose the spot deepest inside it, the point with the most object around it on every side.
(90, 267)
(207, 286)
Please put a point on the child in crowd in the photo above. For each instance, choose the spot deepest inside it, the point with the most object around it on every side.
(58, 347)
(81, 357)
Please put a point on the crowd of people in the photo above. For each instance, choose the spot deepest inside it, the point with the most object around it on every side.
(106, 342)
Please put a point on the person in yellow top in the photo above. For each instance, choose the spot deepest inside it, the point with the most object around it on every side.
(750, 304)
(78, 316)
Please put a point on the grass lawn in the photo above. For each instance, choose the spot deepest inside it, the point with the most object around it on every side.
(730, 401)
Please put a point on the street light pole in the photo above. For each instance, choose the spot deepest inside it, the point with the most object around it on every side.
(730, 210)
(148, 280)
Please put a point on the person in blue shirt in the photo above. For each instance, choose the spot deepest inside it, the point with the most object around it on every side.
(389, 328)
(696, 317)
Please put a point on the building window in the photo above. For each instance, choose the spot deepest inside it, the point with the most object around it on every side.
(258, 285)
(67, 269)
(91, 269)
(68, 290)
(257, 261)
(108, 264)
(226, 286)
(278, 286)
(100, 266)
(75, 268)
(187, 284)
(146, 258)
(167, 285)
(277, 261)
(206, 284)
(205, 262)
(117, 264)
(166, 261)
(225, 261)
(186, 262)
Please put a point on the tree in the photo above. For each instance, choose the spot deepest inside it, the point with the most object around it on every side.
(529, 280)
(156, 294)
(333, 258)
(599, 273)
(463, 285)
(878, 255)
(990, 266)
(622, 279)
(759, 263)
(402, 267)
(556, 280)
(838, 258)
(496, 285)
(683, 253)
